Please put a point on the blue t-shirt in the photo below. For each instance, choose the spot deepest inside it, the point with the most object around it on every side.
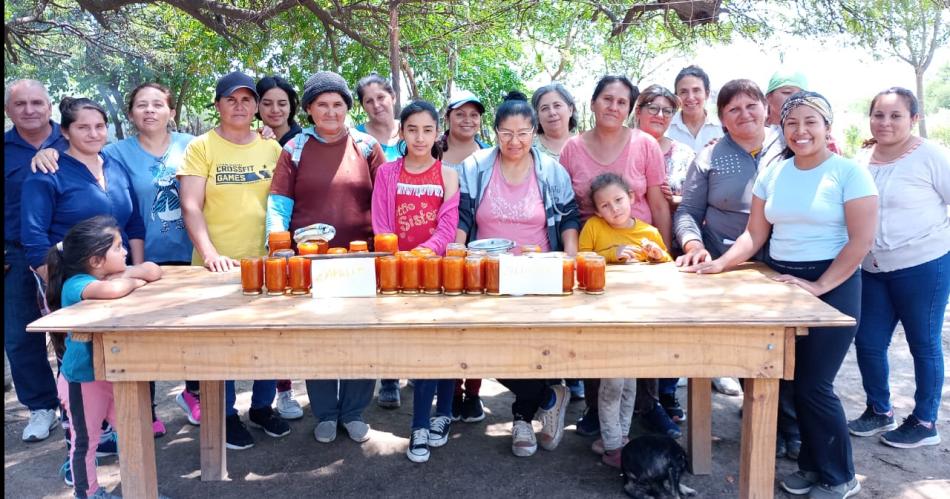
(391, 152)
(77, 361)
(17, 154)
(806, 207)
(157, 189)
(53, 203)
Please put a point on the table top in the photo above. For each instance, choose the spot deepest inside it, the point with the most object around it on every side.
(640, 295)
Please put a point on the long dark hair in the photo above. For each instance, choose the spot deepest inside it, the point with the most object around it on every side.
(269, 82)
(515, 104)
(913, 106)
(416, 107)
(88, 239)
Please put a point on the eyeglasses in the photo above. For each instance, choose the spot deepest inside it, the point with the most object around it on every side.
(508, 135)
(653, 110)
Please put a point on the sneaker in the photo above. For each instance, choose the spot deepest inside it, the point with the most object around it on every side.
(523, 443)
(325, 432)
(681, 382)
(357, 430)
(661, 422)
(552, 420)
(418, 451)
(236, 435)
(842, 491)
(439, 427)
(793, 447)
(472, 409)
(389, 396)
(267, 419)
(287, 405)
(577, 390)
(727, 386)
(911, 433)
(41, 422)
(66, 472)
(457, 407)
(611, 458)
(870, 423)
(191, 404)
(588, 425)
(108, 444)
(158, 428)
(672, 407)
(800, 482)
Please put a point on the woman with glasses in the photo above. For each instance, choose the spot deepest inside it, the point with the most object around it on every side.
(513, 191)
(654, 112)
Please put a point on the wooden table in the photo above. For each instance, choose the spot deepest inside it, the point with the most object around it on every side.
(653, 321)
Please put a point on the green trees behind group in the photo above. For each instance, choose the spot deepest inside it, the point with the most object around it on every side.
(103, 48)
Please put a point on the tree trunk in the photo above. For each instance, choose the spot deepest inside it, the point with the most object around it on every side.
(922, 123)
(394, 52)
(450, 79)
(112, 107)
(179, 102)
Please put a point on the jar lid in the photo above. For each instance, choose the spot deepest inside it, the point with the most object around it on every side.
(492, 246)
(279, 236)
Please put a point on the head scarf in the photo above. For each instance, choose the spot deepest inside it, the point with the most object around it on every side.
(813, 100)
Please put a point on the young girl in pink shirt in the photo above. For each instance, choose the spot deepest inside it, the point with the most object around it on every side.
(417, 198)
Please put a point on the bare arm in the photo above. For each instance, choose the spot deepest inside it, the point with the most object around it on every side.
(192, 206)
(861, 218)
(111, 289)
(137, 249)
(660, 209)
(569, 241)
(756, 234)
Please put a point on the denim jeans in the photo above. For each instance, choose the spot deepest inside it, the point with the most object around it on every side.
(423, 391)
(262, 395)
(339, 400)
(530, 395)
(29, 364)
(826, 445)
(917, 297)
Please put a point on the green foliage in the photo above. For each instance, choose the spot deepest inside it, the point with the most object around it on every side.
(852, 141)
(938, 91)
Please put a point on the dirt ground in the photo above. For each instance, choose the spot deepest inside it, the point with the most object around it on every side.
(477, 462)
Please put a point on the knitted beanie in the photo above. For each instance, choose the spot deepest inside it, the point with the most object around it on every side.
(325, 81)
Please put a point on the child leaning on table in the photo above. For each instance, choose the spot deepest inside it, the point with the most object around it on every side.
(619, 238)
(417, 198)
(89, 264)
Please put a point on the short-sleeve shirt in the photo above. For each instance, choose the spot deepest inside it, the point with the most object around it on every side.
(331, 184)
(77, 361)
(513, 211)
(156, 187)
(238, 180)
(640, 164)
(679, 132)
(390, 151)
(806, 207)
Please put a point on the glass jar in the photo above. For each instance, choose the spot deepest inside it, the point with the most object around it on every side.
(474, 280)
(312, 248)
(252, 275)
(388, 274)
(596, 274)
(432, 275)
(409, 274)
(277, 241)
(456, 249)
(530, 248)
(299, 275)
(567, 267)
(453, 279)
(359, 247)
(386, 243)
(275, 275)
(491, 276)
(336, 251)
(579, 265)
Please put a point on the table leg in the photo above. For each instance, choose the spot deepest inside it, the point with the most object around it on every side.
(133, 410)
(759, 421)
(214, 464)
(699, 424)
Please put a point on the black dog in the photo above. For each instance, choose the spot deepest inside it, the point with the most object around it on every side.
(652, 465)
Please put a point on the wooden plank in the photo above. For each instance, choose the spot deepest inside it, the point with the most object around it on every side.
(98, 356)
(699, 426)
(790, 335)
(133, 408)
(214, 463)
(190, 298)
(757, 455)
(537, 352)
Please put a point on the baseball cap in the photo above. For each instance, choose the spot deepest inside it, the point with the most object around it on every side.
(787, 78)
(233, 81)
(464, 97)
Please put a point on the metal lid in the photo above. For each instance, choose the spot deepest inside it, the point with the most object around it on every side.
(492, 246)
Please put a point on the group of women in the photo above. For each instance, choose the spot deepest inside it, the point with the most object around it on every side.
(718, 192)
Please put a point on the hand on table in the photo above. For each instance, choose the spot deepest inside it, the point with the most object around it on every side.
(810, 286)
(221, 263)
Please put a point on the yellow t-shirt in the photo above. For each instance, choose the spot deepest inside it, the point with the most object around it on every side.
(598, 236)
(238, 182)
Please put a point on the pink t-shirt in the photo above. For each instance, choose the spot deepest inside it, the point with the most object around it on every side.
(640, 164)
(513, 212)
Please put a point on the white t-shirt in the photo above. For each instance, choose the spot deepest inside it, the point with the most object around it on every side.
(806, 207)
(711, 129)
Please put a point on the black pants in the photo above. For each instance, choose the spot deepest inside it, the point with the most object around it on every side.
(530, 395)
(826, 445)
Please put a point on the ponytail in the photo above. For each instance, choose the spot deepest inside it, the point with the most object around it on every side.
(54, 294)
